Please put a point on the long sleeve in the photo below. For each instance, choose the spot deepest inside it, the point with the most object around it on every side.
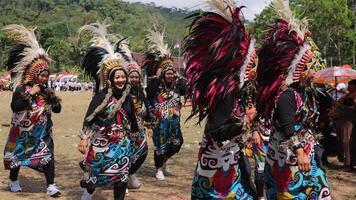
(221, 126)
(152, 89)
(286, 110)
(182, 84)
(95, 102)
(148, 117)
(132, 116)
(57, 108)
(20, 100)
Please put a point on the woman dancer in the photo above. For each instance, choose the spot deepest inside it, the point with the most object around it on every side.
(30, 140)
(110, 121)
(164, 92)
(142, 113)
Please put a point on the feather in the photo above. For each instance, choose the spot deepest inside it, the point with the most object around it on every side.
(295, 62)
(122, 47)
(101, 51)
(215, 50)
(251, 50)
(283, 10)
(221, 7)
(99, 35)
(156, 41)
(31, 50)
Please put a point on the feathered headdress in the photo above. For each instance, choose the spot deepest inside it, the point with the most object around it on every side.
(219, 55)
(101, 57)
(100, 61)
(122, 47)
(158, 55)
(27, 59)
(283, 56)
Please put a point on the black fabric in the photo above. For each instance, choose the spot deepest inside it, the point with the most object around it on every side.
(286, 111)
(133, 169)
(20, 103)
(128, 106)
(173, 149)
(139, 93)
(119, 191)
(48, 170)
(220, 124)
(246, 179)
(259, 182)
(156, 84)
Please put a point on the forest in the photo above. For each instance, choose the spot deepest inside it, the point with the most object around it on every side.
(332, 23)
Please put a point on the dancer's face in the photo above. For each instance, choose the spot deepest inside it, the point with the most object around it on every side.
(169, 76)
(42, 78)
(134, 78)
(119, 79)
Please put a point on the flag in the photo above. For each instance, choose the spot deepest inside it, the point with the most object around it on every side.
(177, 45)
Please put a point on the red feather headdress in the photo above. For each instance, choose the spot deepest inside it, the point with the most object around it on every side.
(219, 54)
(283, 56)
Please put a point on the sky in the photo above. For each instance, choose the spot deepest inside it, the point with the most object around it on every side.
(252, 6)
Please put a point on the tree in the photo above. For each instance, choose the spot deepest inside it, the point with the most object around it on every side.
(330, 23)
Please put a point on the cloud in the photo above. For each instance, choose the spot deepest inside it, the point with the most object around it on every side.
(252, 6)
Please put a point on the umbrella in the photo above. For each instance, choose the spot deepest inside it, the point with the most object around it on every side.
(334, 75)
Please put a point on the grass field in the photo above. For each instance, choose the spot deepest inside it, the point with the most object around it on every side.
(68, 174)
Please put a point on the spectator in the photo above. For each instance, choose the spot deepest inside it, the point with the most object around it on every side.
(344, 114)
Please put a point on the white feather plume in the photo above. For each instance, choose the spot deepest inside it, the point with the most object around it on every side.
(100, 38)
(22, 35)
(99, 35)
(221, 7)
(125, 51)
(283, 10)
(156, 41)
(293, 66)
(251, 50)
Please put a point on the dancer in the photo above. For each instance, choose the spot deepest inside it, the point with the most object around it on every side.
(30, 140)
(164, 92)
(142, 113)
(287, 100)
(110, 121)
(220, 56)
(257, 148)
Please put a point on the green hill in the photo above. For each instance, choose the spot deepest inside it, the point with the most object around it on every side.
(59, 20)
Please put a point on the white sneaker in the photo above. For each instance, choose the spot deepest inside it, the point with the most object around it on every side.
(160, 175)
(53, 191)
(14, 186)
(167, 170)
(126, 191)
(86, 195)
(133, 183)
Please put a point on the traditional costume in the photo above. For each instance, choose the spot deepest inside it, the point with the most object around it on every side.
(141, 111)
(220, 56)
(30, 140)
(164, 99)
(110, 121)
(287, 101)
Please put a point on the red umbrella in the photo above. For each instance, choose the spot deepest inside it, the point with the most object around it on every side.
(334, 75)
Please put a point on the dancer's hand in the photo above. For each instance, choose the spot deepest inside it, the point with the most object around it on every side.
(82, 147)
(256, 138)
(35, 89)
(303, 160)
(149, 132)
(251, 113)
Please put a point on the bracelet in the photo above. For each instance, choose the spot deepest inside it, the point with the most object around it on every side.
(86, 134)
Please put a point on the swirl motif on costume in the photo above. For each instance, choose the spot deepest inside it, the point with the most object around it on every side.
(215, 157)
